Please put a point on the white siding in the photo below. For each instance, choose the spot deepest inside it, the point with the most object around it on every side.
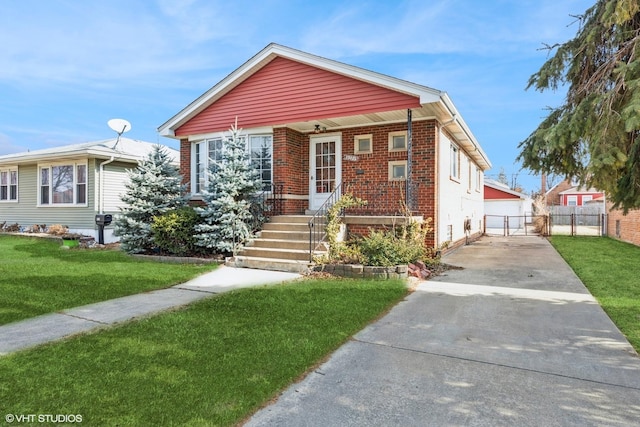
(456, 201)
(496, 210)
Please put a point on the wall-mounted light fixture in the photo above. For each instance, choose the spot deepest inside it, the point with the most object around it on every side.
(319, 129)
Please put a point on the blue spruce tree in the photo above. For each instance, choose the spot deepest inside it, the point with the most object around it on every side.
(228, 198)
(153, 188)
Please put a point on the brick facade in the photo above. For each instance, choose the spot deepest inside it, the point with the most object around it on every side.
(365, 175)
(553, 195)
(624, 227)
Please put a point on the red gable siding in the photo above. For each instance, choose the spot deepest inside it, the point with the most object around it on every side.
(493, 193)
(286, 91)
(579, 197)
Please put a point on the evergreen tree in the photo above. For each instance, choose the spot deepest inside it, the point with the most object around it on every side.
(502, 177)
(152, 189)
(595, 135)
(232, 186)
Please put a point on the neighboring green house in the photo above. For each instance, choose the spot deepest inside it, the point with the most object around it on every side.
(69, 185)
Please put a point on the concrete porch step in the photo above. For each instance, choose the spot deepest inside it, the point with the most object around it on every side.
(300, 219)
(284, 235)
(276, 253)
(286, 226)
(281, 244)
(293, 266)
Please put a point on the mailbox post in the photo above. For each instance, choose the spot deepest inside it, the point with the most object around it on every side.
(101, 221)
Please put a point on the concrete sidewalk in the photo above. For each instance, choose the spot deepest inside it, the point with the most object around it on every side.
(56, 326)
(514, 338)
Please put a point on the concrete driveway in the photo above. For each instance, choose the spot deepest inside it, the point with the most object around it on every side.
(514, 338)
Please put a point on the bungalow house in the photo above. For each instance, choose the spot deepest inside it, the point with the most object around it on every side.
(567, 193)
(505, 209)
(317, 127)
(579, 196)
(69, 185)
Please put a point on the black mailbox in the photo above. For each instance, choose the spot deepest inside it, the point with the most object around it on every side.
(104, 219)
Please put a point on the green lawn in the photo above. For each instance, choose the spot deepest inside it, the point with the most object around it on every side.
(609, 268)
(37, 277)
(212, 363)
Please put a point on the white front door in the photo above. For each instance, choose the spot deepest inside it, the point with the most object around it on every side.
(325, 163)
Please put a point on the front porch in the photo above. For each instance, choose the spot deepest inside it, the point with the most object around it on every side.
(290, 242)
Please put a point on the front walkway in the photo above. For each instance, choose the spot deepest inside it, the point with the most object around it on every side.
(514, 338)
(56, 326)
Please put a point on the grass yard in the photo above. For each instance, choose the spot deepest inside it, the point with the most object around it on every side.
(212, 363)
(37, 277)
(609, 269)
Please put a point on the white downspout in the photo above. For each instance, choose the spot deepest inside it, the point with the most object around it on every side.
(101, 186)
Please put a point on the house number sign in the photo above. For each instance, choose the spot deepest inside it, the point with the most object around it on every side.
(350, 158)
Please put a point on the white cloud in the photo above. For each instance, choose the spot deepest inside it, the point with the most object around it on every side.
(107, 41)
(443, 27)
(7, 146)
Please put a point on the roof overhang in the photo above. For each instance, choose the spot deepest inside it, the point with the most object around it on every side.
(506, 190)
(102, 150)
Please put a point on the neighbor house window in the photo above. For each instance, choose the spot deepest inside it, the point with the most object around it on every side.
(586, 199)
(9, 185)
(63, 184)
(455, 162)
(398, 170)
(572, 200)
(478, 179)
(208, 154)
(363, 144)
(398, 141)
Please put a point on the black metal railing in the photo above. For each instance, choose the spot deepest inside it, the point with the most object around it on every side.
(318, 222)
(265, 205)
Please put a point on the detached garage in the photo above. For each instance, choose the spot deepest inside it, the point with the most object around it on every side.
(503, 206)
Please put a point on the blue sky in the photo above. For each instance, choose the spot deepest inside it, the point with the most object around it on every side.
(67, 67)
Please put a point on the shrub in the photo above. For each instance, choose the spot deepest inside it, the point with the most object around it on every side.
(400, 245)
(340, 251)
(152, 189)
(174, 231)
(58, 230)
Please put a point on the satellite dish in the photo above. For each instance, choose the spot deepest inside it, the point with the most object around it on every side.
(119, 126)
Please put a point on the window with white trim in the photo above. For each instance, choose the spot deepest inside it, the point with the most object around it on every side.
(63, 184)
(398, 141)
(9, 185)
(261, 153)
(586, 199)
(478, 179)
(454, 162)
(398, 170)
(363, 144)
(572, 200)
(208, 153)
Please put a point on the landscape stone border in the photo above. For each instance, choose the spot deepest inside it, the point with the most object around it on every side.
(357, 271)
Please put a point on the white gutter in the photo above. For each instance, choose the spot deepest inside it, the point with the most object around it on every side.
(455, 118)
